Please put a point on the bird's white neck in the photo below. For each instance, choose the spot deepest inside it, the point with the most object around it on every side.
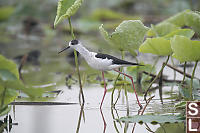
(83, 51)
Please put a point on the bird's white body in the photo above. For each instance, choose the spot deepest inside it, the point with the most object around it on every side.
(96, 63)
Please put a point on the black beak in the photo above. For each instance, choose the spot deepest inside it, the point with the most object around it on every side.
(63, 49)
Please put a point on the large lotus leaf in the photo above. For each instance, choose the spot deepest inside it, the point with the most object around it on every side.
(6, 75)
(7, 95)
(128, 36)
(157, 46)
(66, 8)
(185, 49)
(162, 29)
(151, 119)
(178, 20)
(5, 110)
(183, 32)
(9, 65)
(192, 19)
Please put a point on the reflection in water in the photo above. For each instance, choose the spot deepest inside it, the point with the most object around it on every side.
(80, 116)
(114, 122)
(104, 121)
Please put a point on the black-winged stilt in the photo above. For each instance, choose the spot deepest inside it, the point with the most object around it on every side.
(103, 62)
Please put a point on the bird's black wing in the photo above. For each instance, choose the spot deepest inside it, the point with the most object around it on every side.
(114, 59)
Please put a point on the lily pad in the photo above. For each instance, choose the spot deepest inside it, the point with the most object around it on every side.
(157, 46)
(185, 49)
(128, 36)
(192, 19)
(162, 29)
(152, 119)
(183, 32)
(66, 8)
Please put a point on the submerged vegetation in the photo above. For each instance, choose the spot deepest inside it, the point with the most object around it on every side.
(175, 38)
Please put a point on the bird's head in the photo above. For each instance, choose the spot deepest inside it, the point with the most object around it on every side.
(72, 44)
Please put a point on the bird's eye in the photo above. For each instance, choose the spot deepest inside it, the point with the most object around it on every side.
(74, 42)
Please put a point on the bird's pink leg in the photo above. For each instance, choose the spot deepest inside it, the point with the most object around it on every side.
(133, 86)
(104, 90)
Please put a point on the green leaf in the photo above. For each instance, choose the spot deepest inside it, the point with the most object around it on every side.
(192, 19)
(183, 32)
(181, 105)
(151, 119)
(178, 19)
(128, 36)
(134, 70)
(33, 93)
(66, 8)
(10, 95)
(184, 91)
(185, 49)
(171, 128)
(6, 75)
(157, 46)
(9, 65)
(162, 29)
(5, 110)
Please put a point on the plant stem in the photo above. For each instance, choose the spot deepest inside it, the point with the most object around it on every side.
(184, 70)
(157, 76)
(114, 87)
(125, 88)
(191, 83)
(76, 62)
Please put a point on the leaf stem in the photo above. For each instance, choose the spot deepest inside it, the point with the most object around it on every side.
(191, 83)
(76, 61)
(125, 87)
(184, 71)
(157, 76)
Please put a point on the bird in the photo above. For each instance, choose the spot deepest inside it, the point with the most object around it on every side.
(102, 62)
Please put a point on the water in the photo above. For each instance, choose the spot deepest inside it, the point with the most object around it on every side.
(64, 118)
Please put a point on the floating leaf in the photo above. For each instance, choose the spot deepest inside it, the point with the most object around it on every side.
(8, 65)
(66, 8)
(183, 32)
(171, 128)
(158, 46)
(162, 29)
(185, 49)
(128, 36)
(192, 19)
(151, 119)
